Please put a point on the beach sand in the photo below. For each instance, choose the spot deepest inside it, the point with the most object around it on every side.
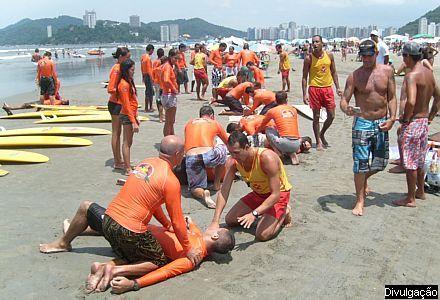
(327, 254)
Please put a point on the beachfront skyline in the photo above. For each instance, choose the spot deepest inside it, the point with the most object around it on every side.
(233, 14)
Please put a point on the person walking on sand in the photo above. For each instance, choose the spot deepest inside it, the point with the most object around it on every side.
(199, 61)
(169, 93)
(284, 67)
(218, 72)
(374, 90)
(319, 67)
(147, 74)
(420, 87)
(114, 105)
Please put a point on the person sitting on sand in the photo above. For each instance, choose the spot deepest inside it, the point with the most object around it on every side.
(370, 126)
(284, 138)
(260, 96)
(413, 140)
(200, 134)
(89, 220)
(126, 220)
(233, 97)
(268, 202)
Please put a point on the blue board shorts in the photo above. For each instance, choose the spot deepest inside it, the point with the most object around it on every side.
(369, 141)
(196, 165)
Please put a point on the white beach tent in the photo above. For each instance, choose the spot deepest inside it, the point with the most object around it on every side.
(260, 48)
(396, 38)
(233, 40)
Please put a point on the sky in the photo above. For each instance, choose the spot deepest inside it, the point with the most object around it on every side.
(238, 14)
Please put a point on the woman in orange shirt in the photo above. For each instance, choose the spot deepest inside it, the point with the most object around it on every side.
(231, 61)
(129, 114)
(114, 106)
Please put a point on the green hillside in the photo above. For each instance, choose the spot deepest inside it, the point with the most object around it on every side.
(412, 27)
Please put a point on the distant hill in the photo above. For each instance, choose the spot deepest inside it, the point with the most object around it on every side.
(412, 27)
(70, 30)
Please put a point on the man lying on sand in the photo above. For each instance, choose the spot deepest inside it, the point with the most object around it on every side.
(268, 202)
(89, 220)
(374, 91)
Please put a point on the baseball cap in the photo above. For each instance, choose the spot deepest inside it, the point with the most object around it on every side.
(412, 48)
(367, 47)
(374, 32)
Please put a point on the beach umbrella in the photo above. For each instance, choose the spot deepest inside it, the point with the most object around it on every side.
(281, 42)
(422, 35)
(260, 48)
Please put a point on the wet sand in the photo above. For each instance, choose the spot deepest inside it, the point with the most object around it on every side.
(327, 254)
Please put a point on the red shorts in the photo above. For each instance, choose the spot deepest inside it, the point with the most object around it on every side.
(222, 92)
(285, 73)
(200, 74)
(253, 200)
(321, 97)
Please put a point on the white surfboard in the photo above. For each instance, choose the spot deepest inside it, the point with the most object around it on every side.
(307, 112)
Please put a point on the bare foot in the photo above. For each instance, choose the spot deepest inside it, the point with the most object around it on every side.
(207, 197)
(104, 284)
(319, 147)
(404, 202)
(367, 190)
(358, 210)
(66, 225)
(395, 162)
(201, 99)
(420, 195)
(288, 218)
(94, 278)
(55, 247)
(397, 170)
(119, 166)
(324, 141)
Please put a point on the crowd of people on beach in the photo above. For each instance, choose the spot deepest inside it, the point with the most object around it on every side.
(264, 138)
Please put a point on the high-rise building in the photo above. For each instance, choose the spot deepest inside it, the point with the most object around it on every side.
(431, 29)
(251, 34)
(174, 32)
(89, 19)
(135, 21)
(423, 26)
(437, 29)
(49, 31)
(282, 34)
(258, 34)
(293, 31)
(164, 33)
(273, 33)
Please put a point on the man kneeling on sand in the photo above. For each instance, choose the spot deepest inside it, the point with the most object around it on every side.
(89, 220)
(202, 153)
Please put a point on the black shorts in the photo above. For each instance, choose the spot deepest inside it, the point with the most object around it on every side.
(114, 108)
(47, 86)
(233, 104)
(149, 90)
(182, 77)
(125, 120)
(95, 217)
(268, 107)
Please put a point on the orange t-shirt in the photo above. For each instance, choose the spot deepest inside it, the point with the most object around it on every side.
(286, 120)
(262, 96)
(156, 71)
(181, 62)
(246, 56)
(231, 60)
(168, 79)
(239, 91)
(128, 99)
(113, 82)
(173, 250)
(151, 184)
(258, 75)
(216, 58)
(46, 68)
(146, 66)
(201, 132)
(250, 124)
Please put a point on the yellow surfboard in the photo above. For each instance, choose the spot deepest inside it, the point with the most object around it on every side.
(83, 119)
(70, 107)
(3, 173)
(50, 113)
(54, 131)
(22, 156)
(42, 141)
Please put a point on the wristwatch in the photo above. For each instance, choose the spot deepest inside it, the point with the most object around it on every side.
(135, 286)
(255, 213)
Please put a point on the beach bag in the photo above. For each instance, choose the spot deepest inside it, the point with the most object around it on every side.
(432, 168)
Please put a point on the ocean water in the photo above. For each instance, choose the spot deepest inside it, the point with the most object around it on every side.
(18, 72)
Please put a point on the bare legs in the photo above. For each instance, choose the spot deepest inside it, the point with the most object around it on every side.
(414, 178)
(116, 142)
(149, 104)
(321, 142)
(170, 119)
(361, 185)
(285, 82)
(126, 145)
(204, 195)
(204, 83)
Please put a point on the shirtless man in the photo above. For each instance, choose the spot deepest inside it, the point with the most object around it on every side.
(320, 67)
(202, 153)
(268, 202)
(125, 223)
(374, 89)
(420, 87)
(284, 67)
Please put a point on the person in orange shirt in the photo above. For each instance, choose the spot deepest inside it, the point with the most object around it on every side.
(261, 96)
(258, 74)
(201, 153)
(233, 97)
(129, 115)
(216, 59)
(156, 82)
(125, 222)
(284, 138)
(230, 59)
(182, 73)
(246, 56)
(249, 126)
(169, 92)
(47, 77)
(147, 74)
(114, 105)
